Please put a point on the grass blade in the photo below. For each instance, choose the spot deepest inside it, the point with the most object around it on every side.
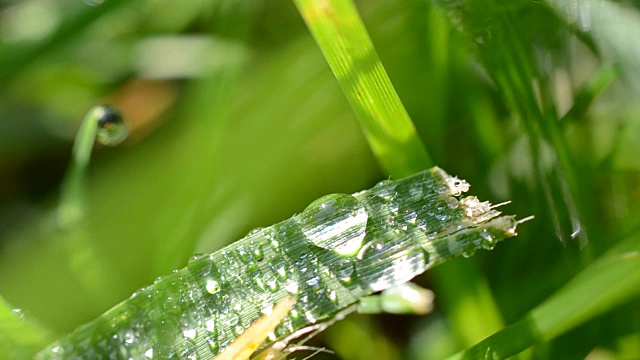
(341, 35)
(608, 282)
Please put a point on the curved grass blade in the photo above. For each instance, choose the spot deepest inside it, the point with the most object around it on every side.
(337, 251)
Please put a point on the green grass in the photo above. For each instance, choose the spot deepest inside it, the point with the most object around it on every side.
(529, 101)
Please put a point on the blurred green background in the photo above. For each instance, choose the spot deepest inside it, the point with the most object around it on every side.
(237, 122)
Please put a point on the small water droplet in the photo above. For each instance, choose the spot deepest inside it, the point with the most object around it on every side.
(421, 224)
(394, 207)
(314, 283)
(129, 337)
(411, 217)
(189, 333)
(258, 253)
(335, 222)
(271, 282)
(212, 286)
(468, 253)
(294, 313)
(239, 330)
(231, 319)
(292, 287)
(345, 275)
(112, 129)
(18, 314)
(254, 231)
(210, 325)
(333, 296)
(282, 271)
(442, 217)
(452, 202)
(213, 344)
(489, 241)
(243, 254)
(149, 353)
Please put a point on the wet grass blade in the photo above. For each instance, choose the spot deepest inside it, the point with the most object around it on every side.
(340, 249)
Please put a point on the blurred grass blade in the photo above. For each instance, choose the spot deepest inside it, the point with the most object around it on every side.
(13, 62)
(608, 282)
(20, 336)
(596, 85)
(343, 39)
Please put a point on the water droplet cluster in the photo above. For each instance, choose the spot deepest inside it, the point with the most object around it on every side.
(339, 249)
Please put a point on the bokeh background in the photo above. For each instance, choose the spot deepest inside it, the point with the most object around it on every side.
(237, 122)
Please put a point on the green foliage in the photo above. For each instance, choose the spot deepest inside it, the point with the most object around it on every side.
(238, 122)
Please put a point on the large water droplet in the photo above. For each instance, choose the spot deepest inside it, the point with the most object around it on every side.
(335, 222)
(111, 126)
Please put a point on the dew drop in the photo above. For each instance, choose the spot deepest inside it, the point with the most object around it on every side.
(212, 286)
(213, 344)
(258, 253)
(231, 319)
(335, 222)
(112, 129)
(17, 314)
(333, 296)
(411, 217)
(243, 254)
(272, 283)
(345, 275)
(452, 202)
(294, 313)
(149, 353)
(210, 325)
(189, 333)
(239, 330)
(281, 271)
(129, 337)
(421, 224)
(292, 287)
(489, 241)
(314, 283)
